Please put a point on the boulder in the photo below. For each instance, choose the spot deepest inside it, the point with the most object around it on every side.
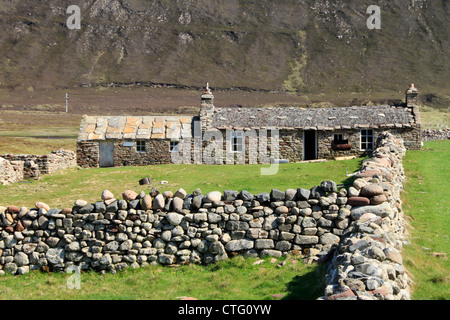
(371, 190)
(241, 244)
(55, 255)
(174, 218)
(129, 195)
(42, 205)
(245, 195)
(180, 193)
(381, 210)
(213, 196)
(158, 202)
(378, 199)
(358, 201)
(80, 203)
(277, 195)
(303, 194)
(107, 195)
(328, 186)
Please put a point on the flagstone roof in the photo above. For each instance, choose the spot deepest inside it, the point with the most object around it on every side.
(378, 116)
(139, 127)
(178, 127)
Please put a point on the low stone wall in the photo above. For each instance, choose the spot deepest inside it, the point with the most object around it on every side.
(10, 171)
(358, 229)
(367, 264)
(435, 134)
(35, 165)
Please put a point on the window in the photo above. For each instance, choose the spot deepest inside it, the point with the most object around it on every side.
(339, 139)
(237, 141)
(140, 146)
(173, 147)
(367, 140)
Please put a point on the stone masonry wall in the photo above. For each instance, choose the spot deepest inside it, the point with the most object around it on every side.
(367, 264)
(354, 227)
(35, 165)
(10, 171)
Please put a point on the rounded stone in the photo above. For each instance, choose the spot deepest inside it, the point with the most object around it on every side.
(213, 196)
(358, 201)
(174, 218)
(146, 202)
(21, 259)
(371, 190)
(379, 199)
(80, 203)
(129, 195)
(42, 205)
(107, 195)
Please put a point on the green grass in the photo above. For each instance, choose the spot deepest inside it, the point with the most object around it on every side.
(427, 204)
(62, 189)
(233, 279)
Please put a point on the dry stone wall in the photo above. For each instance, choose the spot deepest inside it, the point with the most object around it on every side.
(32, 166)
(10, 171)
(359, 229)
(368, 264)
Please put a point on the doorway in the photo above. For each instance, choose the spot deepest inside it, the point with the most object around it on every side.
(309, 145)
(106, 154)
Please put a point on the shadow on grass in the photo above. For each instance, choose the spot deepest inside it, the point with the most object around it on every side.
(309, 286)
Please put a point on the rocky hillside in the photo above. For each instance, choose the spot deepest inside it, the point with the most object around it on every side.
(304, 45)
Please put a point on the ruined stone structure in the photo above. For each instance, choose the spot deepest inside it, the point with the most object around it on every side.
(28, 166)
(245, 135)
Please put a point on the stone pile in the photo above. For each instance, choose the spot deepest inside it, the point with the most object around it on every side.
(368, 264)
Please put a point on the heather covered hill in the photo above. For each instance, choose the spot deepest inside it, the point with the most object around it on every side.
(301, 46)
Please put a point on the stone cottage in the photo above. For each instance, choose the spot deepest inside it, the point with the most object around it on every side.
(227, 135)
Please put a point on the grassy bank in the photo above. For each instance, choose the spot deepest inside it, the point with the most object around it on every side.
(427, 204)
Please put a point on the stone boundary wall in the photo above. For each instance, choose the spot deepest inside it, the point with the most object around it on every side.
(435, 134)
(367, 264)
(357, 225)
(35, 165)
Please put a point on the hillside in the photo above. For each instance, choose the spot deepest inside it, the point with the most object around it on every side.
(301, 46)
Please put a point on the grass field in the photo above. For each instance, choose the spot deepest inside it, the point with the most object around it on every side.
(234, 279)
(427, 204)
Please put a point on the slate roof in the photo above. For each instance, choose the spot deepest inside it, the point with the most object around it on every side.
(177, 127)
(314, 118)
(139, 127)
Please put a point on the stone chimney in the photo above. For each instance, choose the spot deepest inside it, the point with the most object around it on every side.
(206, 108)
(412, 96)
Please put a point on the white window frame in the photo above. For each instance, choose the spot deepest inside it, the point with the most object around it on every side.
(140, 146)
(365, 134)
(237, 141)
(174, 146)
